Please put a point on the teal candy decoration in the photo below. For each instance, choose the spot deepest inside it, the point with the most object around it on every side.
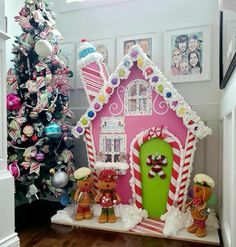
(212, 201)
(53, 130)
(86, 52)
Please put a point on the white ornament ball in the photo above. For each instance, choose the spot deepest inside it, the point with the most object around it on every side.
(60, 179)
(43, 48)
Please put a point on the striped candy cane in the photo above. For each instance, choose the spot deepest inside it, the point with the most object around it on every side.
(190, 146)
(93, 76)
(91, 154)
(157, 162)
(135, 161)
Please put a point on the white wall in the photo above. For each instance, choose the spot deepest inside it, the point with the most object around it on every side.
(228, 118)
(12, 9)
(143, 16)
(2, 14)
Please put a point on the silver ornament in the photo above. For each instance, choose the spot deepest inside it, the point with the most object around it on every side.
(60, 179)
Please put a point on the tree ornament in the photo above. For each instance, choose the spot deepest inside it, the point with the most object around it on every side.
(18, 141)
(64, 128)
(45, 149)
(40, 26)
(14, 170)
(28, 130)
(33, 115)
(65, 98)
(13, 102)
(34, 138)
(43, 48)
(40, 156)
(64, 199)
(60, 179)
(65, 138)
(53, 130)
(52, 171)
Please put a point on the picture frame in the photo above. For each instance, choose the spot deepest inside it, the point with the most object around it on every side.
(106, 47)
(227, 31)
(67, 55)
(147, 41)
(187, 54)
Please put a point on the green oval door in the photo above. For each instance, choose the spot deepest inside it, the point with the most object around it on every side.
(155, 190)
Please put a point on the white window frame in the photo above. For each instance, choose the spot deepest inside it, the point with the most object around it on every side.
(103, 137)
(78, 5)
(137, 97)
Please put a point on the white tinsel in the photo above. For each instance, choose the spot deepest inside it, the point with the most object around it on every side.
(175, 220)
(130, 215)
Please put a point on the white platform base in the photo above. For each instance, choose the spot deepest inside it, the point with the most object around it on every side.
(62, 217)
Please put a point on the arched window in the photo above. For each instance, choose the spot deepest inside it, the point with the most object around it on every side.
(138, 98)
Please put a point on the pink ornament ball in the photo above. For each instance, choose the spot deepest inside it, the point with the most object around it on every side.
(13, 102)
(14, 170)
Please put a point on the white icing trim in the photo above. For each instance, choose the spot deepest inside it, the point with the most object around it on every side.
(93, 57)
(114, 106)
(169, 93)
(112, 165)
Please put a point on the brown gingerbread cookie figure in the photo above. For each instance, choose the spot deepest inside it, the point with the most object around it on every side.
(202, 190)
(84, 193)
(107, 196)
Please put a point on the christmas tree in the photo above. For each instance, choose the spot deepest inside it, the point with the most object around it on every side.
(39, 139)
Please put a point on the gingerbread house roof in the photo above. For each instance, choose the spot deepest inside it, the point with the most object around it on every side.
(158, 83)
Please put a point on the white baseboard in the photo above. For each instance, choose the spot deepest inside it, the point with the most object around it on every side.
(10, 241)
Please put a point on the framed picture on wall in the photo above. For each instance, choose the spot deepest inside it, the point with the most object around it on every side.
(67, 55)
(187, 54)
(227, 46)
(106, 47)
(147, 41)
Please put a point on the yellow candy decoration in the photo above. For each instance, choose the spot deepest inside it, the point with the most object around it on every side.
(84, 121)
(182, 111)
(101, 98)
(140, 61)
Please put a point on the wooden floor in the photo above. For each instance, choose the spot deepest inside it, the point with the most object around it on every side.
(50, 235)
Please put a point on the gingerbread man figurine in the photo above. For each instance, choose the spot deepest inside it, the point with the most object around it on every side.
(202, 190)
(107, 196)
(84, 193)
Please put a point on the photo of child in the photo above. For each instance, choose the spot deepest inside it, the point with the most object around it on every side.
(186, 50)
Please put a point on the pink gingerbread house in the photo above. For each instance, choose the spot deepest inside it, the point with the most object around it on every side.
(137, 114)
